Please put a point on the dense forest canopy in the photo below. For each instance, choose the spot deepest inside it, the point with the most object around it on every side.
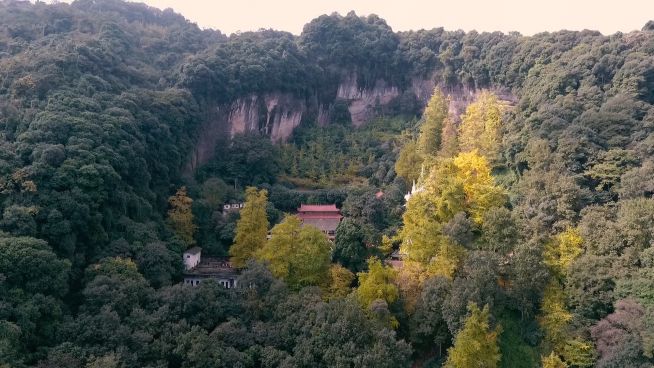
(526, 242)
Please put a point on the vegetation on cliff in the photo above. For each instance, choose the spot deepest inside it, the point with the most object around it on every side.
(528, 243)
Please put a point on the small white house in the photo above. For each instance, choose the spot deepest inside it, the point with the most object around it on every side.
(192, 257)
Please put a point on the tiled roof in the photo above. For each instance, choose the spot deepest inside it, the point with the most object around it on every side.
(323, 223)
(306, 216)
(213, 266)
(317, 208)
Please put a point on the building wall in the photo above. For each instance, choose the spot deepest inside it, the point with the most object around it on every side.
(323, 224)
(191, 260)
(228, 283)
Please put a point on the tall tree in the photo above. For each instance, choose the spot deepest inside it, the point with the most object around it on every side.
(427, 211)
(555, 318)
(427, 325)
(376, 283)
(553, 361)
(349, 246)
(251, 228)
(180, 216)
(409, 162)
(449, 139)
(482, 193)
(463, 184)
(215, 191)
(480, 126)
(429, 140)
(300, 255)
(476, 344)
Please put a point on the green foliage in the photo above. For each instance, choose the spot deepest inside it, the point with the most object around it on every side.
(499, 230)
(32, 281)
(409, 162)
(477, 281)
(376, 283)
(590, 287)
(29, 264)
(427, 325)
(349, 247)
(180, 216)
(429, 140)
(554, 318)
(101, 103)
(516, 352)
(251, 228)
(351, 41)
(246, 159)
(480, 126)
(579, 353)
(297, 254)
(215, 191)
(476, 343)
(334, 155)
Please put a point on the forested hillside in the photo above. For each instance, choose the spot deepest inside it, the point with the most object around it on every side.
(527, 242)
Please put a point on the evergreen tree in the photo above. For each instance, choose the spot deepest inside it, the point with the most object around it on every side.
(449, 139)
(429, 141)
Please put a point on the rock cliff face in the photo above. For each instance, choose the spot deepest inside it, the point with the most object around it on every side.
(362, 101)
(274, 114)
(277, 114)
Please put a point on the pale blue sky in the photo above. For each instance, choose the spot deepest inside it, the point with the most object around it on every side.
(525, 16)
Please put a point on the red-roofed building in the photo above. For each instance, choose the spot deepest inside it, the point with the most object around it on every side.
(324, 217)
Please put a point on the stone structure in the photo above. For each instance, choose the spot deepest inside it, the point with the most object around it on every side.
(416, 187)
(198, 269)
(192, 257)
(232, 207)
(395, 260)
(277, 114)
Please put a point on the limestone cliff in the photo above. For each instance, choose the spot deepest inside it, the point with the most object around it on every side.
(273, 114)
(277, 114)
(362, 101)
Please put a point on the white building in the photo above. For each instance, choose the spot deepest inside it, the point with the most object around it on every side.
(198, 269)
(192, 257)
(232, 207)
(416, 188)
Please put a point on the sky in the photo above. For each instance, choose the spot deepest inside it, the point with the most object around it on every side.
(525, 16)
